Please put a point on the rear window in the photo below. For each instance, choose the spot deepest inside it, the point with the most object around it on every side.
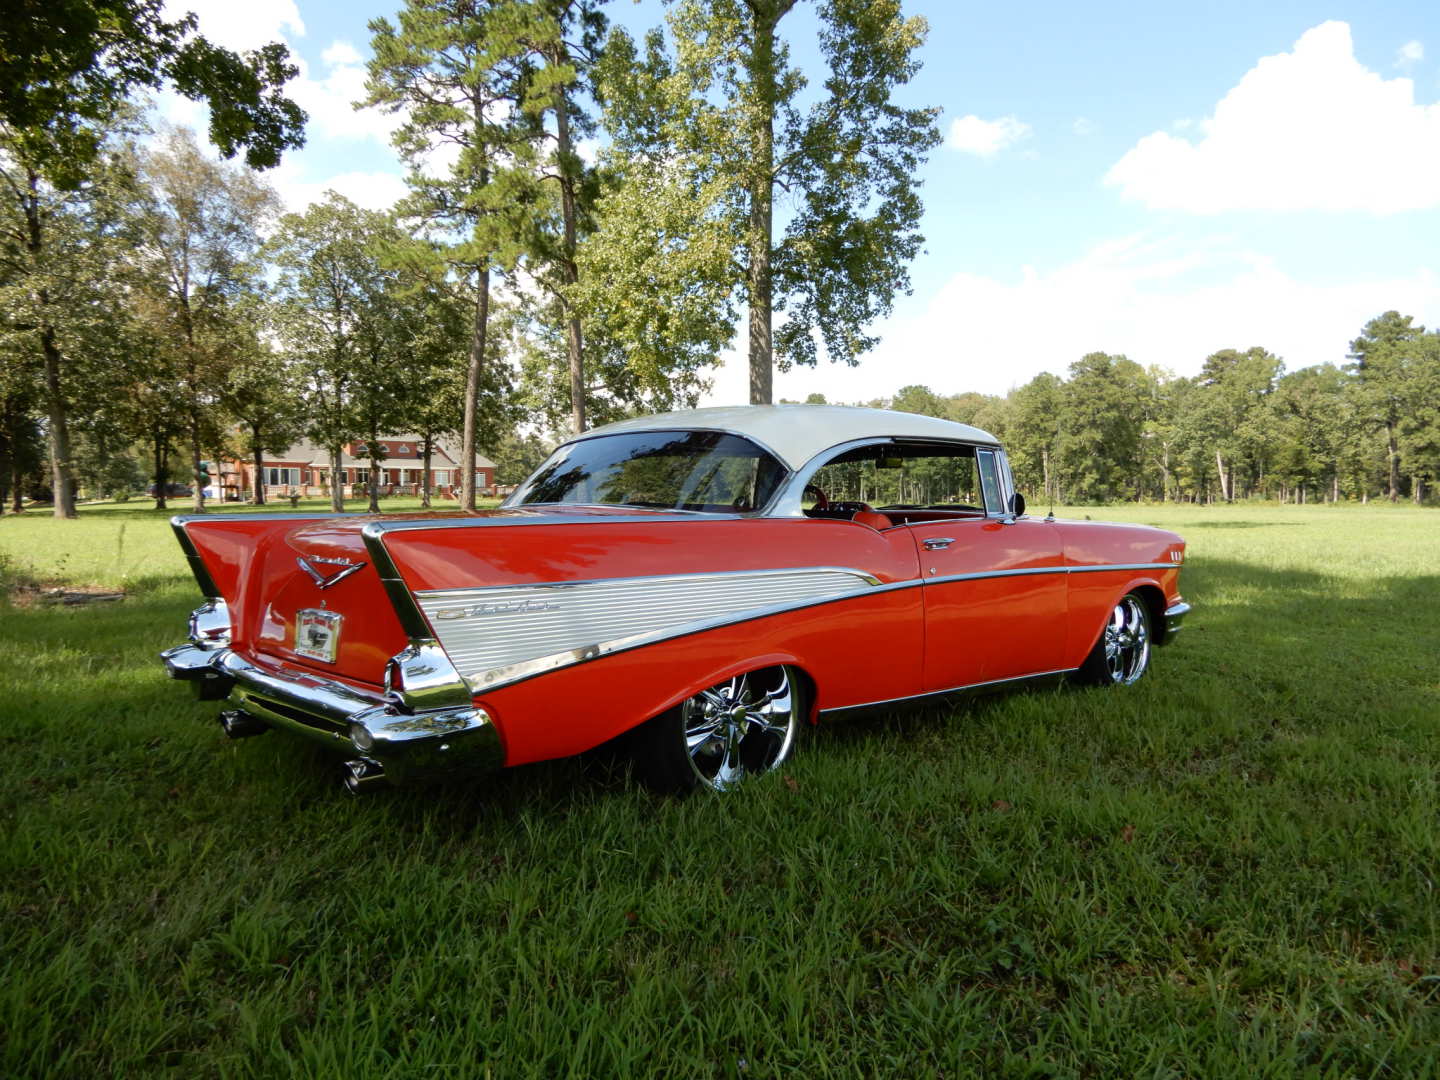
(670, 470)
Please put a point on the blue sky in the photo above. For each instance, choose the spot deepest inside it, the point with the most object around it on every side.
(1149, 179)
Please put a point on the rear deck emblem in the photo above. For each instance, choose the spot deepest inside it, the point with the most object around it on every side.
(324, 580)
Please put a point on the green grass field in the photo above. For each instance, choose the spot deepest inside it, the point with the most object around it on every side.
(1226, 870)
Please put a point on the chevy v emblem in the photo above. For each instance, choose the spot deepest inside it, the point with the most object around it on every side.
(324, 580)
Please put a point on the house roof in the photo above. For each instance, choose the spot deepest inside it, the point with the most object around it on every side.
(308, 452)
(796, 433)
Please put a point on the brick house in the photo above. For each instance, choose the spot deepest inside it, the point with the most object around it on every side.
(304, 469)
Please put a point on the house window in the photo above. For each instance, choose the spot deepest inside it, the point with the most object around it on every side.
(282, 477)
(362, 476)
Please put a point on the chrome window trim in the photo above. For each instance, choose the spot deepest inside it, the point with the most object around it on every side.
(990, 453)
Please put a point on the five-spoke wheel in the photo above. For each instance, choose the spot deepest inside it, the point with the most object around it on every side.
(1123, 651)
(738, 728)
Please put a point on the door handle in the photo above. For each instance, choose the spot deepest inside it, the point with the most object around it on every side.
(935, 543)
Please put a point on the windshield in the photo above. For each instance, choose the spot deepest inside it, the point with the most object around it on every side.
(671, 470)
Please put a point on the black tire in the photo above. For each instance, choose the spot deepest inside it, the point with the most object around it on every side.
(742, 727)
(1122, 653)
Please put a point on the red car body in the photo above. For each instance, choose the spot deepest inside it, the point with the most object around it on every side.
(423, 644)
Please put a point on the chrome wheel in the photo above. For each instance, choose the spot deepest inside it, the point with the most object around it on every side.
(741, 727)
(1126, 641)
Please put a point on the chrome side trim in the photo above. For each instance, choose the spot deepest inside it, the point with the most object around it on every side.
(517, 602)
(980, 574)
(263, 515)
(967, 688)
(197, 565)
(406, 610)
(498, 635)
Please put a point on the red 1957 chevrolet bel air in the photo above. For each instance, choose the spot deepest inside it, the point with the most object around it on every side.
(709, 580)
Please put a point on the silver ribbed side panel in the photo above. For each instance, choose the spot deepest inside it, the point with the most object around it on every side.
(496, 635)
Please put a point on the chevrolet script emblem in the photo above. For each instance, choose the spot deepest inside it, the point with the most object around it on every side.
(308, 563)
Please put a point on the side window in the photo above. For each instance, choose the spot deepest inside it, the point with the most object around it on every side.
(990, 481)
(909, 476)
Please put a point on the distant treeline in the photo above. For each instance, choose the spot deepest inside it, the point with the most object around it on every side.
(1242, 428)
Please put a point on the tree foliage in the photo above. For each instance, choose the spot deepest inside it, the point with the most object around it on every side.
(722, 112)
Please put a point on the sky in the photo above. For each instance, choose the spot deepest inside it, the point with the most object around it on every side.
(1157, 180)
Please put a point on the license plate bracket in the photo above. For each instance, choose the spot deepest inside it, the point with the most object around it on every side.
(317, 634)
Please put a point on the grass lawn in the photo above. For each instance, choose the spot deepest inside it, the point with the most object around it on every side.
(1226, 870)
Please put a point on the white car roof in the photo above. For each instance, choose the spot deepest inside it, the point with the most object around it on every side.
(796, 433)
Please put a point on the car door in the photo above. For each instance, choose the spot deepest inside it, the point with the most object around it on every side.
(994, 590)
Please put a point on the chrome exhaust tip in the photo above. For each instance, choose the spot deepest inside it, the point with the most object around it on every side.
(363, 775)
(241, 725)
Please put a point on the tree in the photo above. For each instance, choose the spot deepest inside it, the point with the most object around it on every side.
(68, 65)
(199, 231)
(1105, 410)
(455, 71)
(1390, 365)
(562, 38)
(1035, 423)
(260, 394)
(724, 113)
(326, 275)
(919, 399)
(1233, 390)
(60, 247)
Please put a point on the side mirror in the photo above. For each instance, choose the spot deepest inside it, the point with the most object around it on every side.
(1017, 504)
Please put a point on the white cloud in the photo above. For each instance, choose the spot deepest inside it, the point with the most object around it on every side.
(373, 190)
(985, 138)
(1311, 129)
(1155, 302)
(1412, 52)
(241, 26)
(1083, 125)
(330, 100)
(342, 52)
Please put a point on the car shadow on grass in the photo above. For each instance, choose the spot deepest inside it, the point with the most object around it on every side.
(1284, 632)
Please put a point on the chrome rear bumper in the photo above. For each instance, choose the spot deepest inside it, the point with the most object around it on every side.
(407, 744)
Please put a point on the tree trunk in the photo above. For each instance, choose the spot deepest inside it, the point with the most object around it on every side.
(472, 391)
(1045, 469)
(426, 451)
(337, 481)
(569, 272)
(1220, 470)
(195, 451)
(259, 499)
(374, 485)
(761, 184)
(1393, 451)
(160, 444)
(62, 475)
